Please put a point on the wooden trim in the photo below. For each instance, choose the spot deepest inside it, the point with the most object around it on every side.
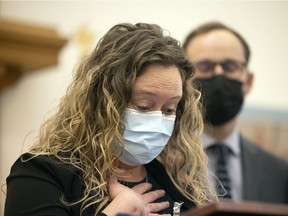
(240, 208)
(8, 75)
(24, 48)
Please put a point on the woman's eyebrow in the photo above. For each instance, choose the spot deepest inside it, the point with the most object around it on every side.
(150, 93)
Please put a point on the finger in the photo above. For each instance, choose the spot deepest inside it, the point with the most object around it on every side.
(152, 196)
(155, 214)
(142, 188)
(156, 207)
(114, 187)
(145, 212)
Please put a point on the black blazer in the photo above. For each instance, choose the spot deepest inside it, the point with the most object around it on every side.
(265, 177)
(36, 186)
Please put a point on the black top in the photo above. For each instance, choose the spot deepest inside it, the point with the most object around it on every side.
(155, 186)
(37, 186)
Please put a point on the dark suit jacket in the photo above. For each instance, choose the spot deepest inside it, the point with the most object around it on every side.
(265, 177)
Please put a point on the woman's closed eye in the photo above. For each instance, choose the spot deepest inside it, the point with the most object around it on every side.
(143, 108)
(169, 111)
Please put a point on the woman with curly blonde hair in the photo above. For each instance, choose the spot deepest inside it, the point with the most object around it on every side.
(125, 138)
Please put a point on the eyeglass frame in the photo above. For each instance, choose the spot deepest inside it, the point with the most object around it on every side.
(240, 66)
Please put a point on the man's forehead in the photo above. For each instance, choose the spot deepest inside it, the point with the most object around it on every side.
(215, 45)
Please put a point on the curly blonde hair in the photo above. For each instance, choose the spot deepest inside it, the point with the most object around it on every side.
(87, 124)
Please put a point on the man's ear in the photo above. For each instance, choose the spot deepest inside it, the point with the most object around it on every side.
(248, 83)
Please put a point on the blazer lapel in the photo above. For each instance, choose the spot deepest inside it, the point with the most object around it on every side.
(252, 168)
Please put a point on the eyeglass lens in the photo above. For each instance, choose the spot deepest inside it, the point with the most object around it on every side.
(229, 66)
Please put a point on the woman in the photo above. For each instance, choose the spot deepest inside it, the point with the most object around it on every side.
(130, 102)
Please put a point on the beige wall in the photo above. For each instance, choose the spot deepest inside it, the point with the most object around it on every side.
(266, 128)
(24, 106)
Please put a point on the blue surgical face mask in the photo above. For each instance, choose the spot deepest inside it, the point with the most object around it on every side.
(145, 135)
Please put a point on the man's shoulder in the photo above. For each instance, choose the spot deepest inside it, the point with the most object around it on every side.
(250, 149)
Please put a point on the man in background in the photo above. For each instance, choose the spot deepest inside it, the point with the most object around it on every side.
(246, 172)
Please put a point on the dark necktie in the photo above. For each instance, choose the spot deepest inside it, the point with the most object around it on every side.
(221, 153)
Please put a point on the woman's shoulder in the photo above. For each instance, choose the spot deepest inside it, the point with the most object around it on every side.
(46, 162)
(47, 168)
(41, 181)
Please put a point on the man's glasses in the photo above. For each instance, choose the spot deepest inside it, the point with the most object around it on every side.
(228, 66)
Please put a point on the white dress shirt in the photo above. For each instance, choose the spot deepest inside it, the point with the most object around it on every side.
(233, 162)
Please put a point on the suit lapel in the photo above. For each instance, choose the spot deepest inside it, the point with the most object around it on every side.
(251, 169)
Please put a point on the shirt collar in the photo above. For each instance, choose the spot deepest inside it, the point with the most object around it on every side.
(232, 141)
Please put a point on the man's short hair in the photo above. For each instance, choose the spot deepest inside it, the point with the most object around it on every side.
(214, 25)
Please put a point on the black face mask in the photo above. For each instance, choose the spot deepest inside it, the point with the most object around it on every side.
(222, 98)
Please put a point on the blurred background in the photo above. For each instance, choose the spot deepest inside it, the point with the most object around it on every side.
(46, 40)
